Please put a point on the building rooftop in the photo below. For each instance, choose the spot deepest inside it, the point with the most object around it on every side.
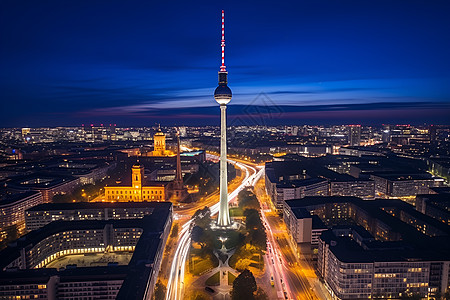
(39, 180)
(395, 176)
(394, 214)
(9, 198)
(96, 205)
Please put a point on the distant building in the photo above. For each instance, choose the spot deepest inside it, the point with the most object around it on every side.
(159, 140)
(89, 172)
(360, 151)
(137, 191)
(354, 135)
(362, 188)
(390, 184)
(286, 180)
(47, 184)
(290, 185)
(436, 206)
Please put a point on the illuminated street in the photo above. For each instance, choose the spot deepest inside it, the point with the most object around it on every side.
(175, 285)
(291, 274)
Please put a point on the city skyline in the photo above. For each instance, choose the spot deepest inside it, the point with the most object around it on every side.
(143, 63)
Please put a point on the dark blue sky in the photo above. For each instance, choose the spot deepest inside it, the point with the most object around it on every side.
(145, 62)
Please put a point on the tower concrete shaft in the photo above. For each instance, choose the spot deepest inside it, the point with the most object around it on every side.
(224, 213)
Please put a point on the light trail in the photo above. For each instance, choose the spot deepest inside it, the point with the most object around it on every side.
(175, 285)
(276, 262)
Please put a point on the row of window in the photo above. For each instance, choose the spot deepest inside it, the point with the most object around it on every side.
(135, 192)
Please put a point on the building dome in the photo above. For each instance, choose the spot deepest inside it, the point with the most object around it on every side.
(222, 94)
(159, 133)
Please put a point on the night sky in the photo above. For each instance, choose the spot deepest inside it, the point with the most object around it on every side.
(294, 62)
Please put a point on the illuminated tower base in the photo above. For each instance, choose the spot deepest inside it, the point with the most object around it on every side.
(224, 213)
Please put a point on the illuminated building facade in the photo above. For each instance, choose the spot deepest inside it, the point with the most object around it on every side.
(12, 210)
(137, 191)
(362, 188)
(354, 135)
(391, 184)
(380, 249)
(159, 140)
(41, 215)
(23, 275)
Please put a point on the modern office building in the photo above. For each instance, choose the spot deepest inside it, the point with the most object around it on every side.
(435, 205)
(363, 188)
(392, 184)
(286, 180)
(24, 276)
(354, 135)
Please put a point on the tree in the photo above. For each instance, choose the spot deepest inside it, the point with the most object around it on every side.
(202, 217)
(244, 286)
(243, 264)
(246, 199)
(259, 239)
(160, 291)
(62, 198)
(196, 234)
(252, 220)
(11, 233)
(174, 230)
(203, 237)
(261, 295)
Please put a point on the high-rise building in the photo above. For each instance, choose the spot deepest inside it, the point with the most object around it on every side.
(223, 95)
(354, 135)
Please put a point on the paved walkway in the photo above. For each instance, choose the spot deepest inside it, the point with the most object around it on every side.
(222, 291)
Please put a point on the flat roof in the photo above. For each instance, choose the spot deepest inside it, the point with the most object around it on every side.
(96, 205)
(9, 198)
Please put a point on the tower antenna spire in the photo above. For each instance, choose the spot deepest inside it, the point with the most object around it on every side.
(222, 67)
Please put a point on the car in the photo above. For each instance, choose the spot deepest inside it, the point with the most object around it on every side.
(272, 283)
(210, 290)
(285, 295)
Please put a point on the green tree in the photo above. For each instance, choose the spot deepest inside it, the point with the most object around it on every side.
(202, 217)
(203, 237)
(246, 199)
(12, 234)
(243, 264)
(258, 238)
(160, 291)
(261, 295)
(60, 198)
(244, 286)
(252, 219)
(174, 230)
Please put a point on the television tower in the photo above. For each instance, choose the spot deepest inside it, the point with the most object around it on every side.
(222, 94)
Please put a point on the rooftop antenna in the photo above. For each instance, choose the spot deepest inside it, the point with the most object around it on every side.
(222, 67)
